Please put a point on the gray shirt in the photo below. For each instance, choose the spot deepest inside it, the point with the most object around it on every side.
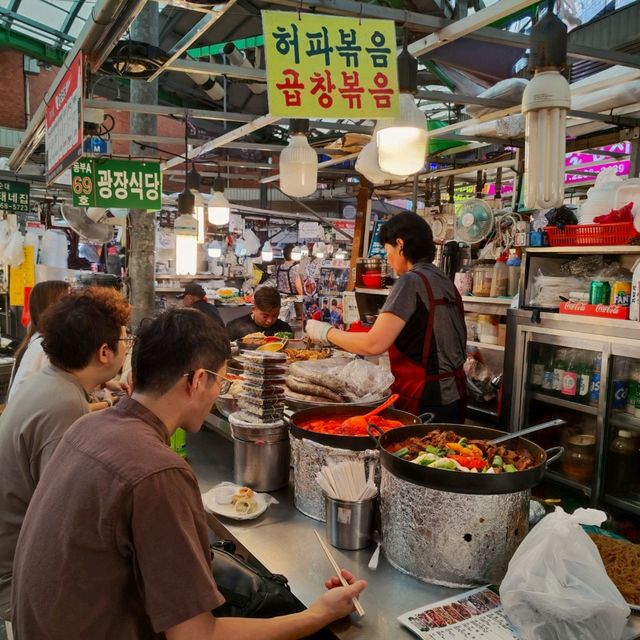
(45, 405)
(409, 300)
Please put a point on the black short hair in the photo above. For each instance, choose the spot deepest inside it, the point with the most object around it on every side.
(267, 299)
(415, 233)
(286, 252)
(174, 343)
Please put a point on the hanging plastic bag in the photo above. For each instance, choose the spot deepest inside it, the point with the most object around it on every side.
(14, 254)
(556, 587)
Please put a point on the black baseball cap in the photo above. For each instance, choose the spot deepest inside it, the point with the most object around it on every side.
(193, 289)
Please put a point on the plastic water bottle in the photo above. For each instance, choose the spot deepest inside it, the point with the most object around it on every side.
(594, 393)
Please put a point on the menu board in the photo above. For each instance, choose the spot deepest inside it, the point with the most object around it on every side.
(476, 614)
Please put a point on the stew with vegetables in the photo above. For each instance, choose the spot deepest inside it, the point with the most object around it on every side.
(447, 450)
(334, 426)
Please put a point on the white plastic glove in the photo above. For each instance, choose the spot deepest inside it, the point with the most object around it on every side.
(318, 331)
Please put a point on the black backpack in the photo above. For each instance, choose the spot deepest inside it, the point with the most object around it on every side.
(249, 592)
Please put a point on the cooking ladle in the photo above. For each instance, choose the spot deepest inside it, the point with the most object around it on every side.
(360, 422)
(523, 432)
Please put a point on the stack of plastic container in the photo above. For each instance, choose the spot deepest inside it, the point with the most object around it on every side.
(260, 435)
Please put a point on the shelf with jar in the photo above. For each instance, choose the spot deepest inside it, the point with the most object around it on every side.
(592, 381)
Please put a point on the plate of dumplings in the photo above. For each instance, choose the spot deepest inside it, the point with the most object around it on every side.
(242, 503)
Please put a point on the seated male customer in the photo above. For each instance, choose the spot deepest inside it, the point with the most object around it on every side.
(195, 296)
(85, 338)
(263, 317)
(115, 544)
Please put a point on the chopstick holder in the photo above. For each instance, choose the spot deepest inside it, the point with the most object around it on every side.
(336, 568)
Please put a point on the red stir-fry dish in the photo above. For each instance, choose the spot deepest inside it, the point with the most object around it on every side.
(447, 450)
(335, 426)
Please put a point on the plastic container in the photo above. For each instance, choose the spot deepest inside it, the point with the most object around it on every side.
(482, 277)
(349, 524)
(372, 280)
(500, 278)
(591, 235)
(463, 281)
(513, 265)
(628, 191)
(471, 321)
(487, 329)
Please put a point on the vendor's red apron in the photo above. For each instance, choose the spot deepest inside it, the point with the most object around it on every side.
(411, 377)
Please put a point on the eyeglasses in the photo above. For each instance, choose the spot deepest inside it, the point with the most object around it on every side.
(225, 385)
(129, 340)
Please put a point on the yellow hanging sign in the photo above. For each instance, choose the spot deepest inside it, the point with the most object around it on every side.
(22, 277)
(330, 66)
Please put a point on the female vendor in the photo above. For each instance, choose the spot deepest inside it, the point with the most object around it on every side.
(421, 325)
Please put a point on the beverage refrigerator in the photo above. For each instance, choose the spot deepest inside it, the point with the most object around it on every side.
(586, 371)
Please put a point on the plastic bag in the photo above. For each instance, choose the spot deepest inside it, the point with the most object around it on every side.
(13, 254)
(365, 381)
(556, 587)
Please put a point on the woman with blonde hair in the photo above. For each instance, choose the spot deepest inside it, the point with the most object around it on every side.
(30, 357)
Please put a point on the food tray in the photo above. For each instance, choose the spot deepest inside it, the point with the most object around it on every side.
(262, 357)
(257, 385)
(265, 403)
(268, 415)
(299, 405)
(259, 371)
(590, 235)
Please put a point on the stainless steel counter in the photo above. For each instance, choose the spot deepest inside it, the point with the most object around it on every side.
(283, 541)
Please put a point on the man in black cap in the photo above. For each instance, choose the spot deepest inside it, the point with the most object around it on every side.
(196, 297)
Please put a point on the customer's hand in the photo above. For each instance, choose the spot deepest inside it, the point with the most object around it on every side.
(318, 331)
(336, 603)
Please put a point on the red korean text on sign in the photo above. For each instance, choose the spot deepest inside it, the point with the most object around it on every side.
(382, 93)
(323, 85)
(351, 89)
(291, 88)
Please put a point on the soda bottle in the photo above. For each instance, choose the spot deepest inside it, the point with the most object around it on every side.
(634, 387)
(559, 367)
(537, 370)
(547, 379)
(584, 379)
(620, 384)
(594, 390)
(569, 386)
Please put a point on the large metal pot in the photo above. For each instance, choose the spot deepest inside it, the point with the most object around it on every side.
(353, 443)
(450, 528)
(310, 451)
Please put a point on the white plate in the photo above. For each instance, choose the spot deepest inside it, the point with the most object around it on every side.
(228, 510)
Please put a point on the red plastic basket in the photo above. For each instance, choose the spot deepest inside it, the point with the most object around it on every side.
(589, 235)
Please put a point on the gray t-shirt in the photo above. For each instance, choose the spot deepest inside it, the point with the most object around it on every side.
(409, 300)
(45, 405)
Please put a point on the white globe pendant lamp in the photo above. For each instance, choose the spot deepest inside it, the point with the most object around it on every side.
(298, 162)
(545, 103)
(402, 141)
(367, 165)
(296, 253)
(267, 252)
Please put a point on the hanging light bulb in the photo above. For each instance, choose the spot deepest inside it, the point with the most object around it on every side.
(186, 230)
(367, 165)
(214, 250)
(319, 250)
(341, 255)
(305, 251)
(267, 252)
(402, 141)
(298, 162)
(219, 207)
(545, 103)
(296, 253)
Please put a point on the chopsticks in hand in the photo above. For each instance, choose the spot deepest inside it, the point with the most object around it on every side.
(336, 568)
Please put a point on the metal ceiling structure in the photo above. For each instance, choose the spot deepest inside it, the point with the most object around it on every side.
(463, 46)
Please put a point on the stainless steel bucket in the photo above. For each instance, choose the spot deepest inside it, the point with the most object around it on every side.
(350, 524)
(263, 466)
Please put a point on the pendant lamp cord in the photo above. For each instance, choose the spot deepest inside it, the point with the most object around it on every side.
(186, 150)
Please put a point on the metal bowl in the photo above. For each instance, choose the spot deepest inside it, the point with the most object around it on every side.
(226, 405)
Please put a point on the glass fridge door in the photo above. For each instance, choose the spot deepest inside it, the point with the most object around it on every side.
(562, 380)
(622, 435)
